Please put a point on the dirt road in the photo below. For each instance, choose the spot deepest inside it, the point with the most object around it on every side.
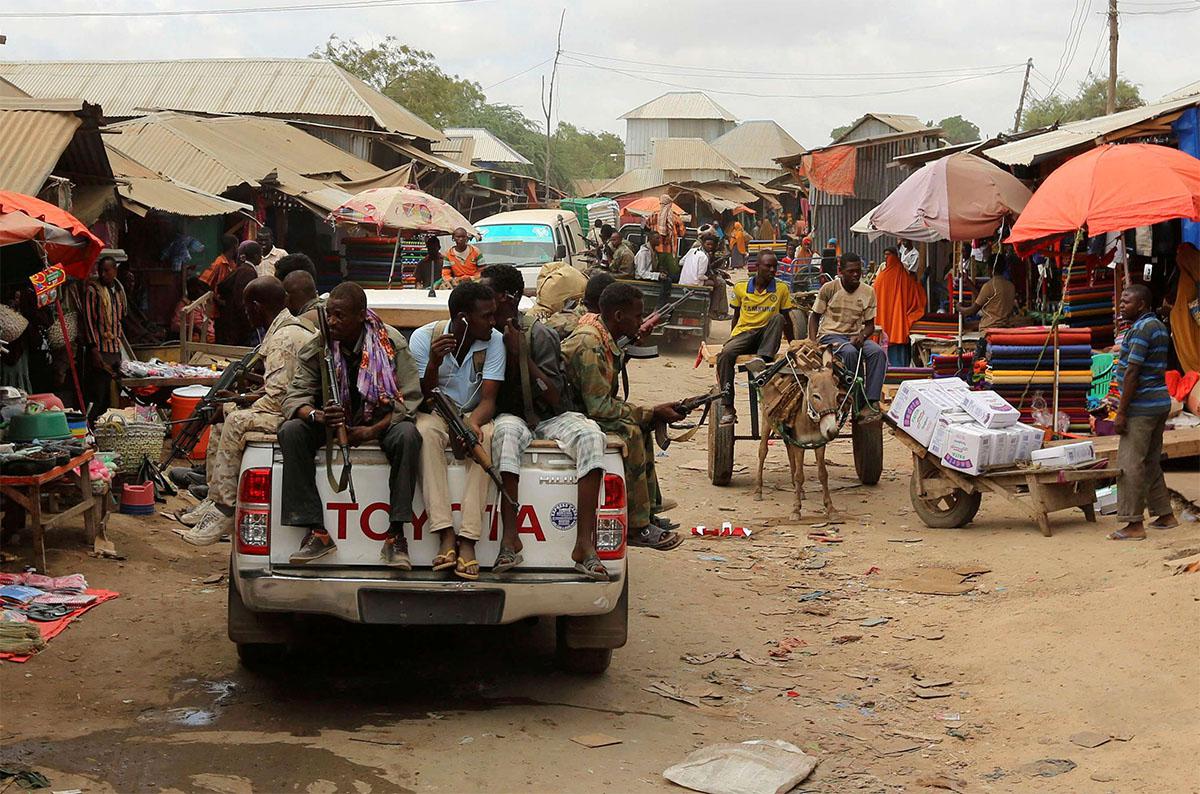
(1060, 636)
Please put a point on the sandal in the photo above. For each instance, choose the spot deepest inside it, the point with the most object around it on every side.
(506, 560)
(448, 560)
(467, 569)
(728, 418)
(1121, 534)
(593, 569)
(656, 538)
(1157, 523)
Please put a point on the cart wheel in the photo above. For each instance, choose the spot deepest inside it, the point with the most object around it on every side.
(868, 450)
(951, 511)
(720, 446)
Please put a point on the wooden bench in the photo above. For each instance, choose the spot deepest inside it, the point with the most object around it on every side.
(27, 492)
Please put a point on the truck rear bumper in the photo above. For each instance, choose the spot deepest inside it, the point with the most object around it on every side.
(424, 597)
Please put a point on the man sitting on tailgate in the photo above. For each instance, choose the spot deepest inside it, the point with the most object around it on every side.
(533, 403)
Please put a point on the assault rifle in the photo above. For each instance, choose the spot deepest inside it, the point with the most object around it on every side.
(686, 407)
(461, 432)
(629, 345)
(207, 410)
(329, 383)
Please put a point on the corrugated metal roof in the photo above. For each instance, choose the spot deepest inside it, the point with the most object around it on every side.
(488, 148)
(900, 122)
(439, 160)
(34, 134)
(274, 86)
(142, 189)
(214, 155)
(1191, 89)
(677, 154)
(756, 144)
(681, 105)
(634, 181)
(587, 186)
(1033, 149)
(7, 89)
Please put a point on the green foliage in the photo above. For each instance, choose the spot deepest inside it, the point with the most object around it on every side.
(838, 132)
(1089, 102)
(957, 129)
(412, 78)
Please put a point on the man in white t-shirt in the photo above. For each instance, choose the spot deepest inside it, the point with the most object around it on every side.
(696, 271)
(271, 253)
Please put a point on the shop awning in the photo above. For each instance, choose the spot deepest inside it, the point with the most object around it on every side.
(436, 161)
(141, 190)
(33, 136)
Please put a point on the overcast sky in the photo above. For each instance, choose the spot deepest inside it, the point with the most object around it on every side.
(797, 53)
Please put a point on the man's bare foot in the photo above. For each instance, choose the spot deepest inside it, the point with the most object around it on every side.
(1167, 521)
(1131, 531)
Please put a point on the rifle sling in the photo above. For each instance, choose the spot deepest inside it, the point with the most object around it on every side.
(524, 351)
(330, 440)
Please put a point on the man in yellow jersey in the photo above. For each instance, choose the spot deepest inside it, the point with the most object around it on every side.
(760, 316)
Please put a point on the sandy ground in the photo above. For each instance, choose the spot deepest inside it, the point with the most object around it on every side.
(1062, 635)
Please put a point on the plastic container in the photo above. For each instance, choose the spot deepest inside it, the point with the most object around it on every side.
(183, 404)
(48, 401)
(42, 425)
(77, 424)
(138, 500)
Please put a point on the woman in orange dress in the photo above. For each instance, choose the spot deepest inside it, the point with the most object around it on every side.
(901, 302)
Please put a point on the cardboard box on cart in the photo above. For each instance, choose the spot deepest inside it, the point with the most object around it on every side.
(990, 409)
(919, 404)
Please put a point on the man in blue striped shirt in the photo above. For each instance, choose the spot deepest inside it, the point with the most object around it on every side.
(1141, 417)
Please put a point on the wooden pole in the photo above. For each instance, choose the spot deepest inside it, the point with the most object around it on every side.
(1021, 101)
(548, 109)
(1111, 105)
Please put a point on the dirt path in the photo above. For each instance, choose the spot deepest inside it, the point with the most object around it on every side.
(1060, 636)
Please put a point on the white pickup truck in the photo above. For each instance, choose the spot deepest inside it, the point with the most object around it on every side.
(266, 593)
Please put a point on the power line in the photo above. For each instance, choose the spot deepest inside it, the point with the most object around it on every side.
(1074, 34)
(518, 74)
(580, 63)
(205, 12)
(705, 71)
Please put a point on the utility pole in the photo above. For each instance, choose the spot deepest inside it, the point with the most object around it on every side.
(1021, 101)
(548, 107)
(1111, 106)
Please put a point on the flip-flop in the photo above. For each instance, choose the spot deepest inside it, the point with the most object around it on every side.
(1155, 525)
(448, 560)
(728, 419)
(462, 572)
(506, 560)
(1121, 534)
(593, 569)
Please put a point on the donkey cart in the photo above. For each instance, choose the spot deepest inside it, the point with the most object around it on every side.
(866, 433)
(946, 499)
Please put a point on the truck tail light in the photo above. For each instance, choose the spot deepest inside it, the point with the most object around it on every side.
(611, 519)
(253, 518)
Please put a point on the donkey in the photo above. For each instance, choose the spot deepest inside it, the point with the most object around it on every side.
(805, 404)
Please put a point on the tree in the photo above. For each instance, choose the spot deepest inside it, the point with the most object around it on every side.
(957, 129)
(412, 78)
(838, 132)
(1089, 102)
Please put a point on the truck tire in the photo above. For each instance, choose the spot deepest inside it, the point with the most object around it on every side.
(720, 446)
(584, 644)
(261, 637)
(867, 439)
(948, 512)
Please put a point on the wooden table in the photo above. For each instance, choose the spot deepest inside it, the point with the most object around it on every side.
(944, 498)
(1181, 443)
(27, 492)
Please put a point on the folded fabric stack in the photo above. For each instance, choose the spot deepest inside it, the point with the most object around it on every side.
(329, 273)
(939, 325)
(1088, 303)
(1021, 368)
(897, 375)
(369, 260)
(954, 366)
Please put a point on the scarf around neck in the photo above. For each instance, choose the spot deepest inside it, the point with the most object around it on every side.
(376, 371)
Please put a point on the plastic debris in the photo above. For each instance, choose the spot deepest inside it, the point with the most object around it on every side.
(753, 767)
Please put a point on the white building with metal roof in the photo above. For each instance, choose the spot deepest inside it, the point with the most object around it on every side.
(676, 114)
(754, 146)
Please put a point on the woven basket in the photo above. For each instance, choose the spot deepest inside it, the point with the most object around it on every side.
(54, 333)
(12, 324)
(132, 441)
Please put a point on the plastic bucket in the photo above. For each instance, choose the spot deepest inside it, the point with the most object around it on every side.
(183, 404)
(137, 499)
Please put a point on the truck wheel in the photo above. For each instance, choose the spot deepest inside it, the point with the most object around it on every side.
(260, 655)
(951, 511)
(867, 438)
(720, 446)
(261, 637)
(583, 661)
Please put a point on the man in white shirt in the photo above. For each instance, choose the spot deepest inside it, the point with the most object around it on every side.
(271, 253)
(696, 272)
(465, 358)
(910, 258)
(646, 259)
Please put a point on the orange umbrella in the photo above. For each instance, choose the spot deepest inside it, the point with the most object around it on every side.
(649, 206)
(64, 238)
(1109, 189)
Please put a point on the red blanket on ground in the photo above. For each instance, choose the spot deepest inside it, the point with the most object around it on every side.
(52, 628)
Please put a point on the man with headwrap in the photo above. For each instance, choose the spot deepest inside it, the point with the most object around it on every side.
(670, 228)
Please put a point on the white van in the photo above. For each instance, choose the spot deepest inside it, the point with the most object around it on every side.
(529, 239)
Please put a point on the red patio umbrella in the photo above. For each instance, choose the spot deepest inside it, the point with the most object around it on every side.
(1111, 188)
(64, 238)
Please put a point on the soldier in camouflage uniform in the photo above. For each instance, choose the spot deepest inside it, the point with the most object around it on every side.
(593, 365)
(564, 322)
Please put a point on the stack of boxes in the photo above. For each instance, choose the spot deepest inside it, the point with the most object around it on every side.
(968, 431)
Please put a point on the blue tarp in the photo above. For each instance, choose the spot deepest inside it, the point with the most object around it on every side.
(1187, 130)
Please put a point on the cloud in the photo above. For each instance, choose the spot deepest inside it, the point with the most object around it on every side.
(704, 41)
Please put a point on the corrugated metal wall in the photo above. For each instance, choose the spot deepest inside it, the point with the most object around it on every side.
(638, 134)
